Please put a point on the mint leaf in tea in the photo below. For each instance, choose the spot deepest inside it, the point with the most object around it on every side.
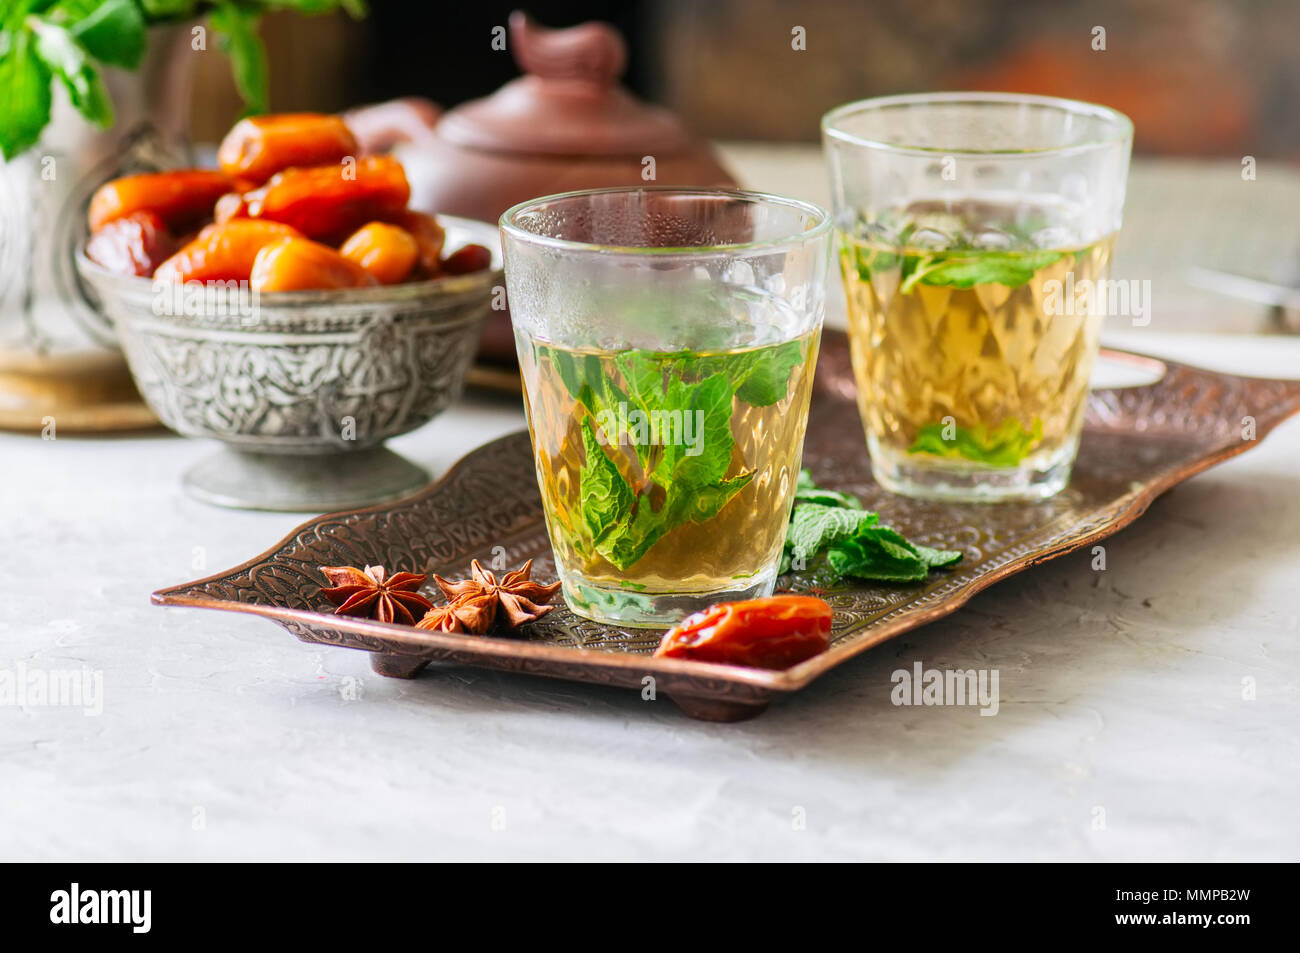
(652, 461)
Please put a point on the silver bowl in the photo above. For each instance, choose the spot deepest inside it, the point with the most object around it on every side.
(303, 387)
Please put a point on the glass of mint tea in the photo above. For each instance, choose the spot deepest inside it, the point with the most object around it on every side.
(666, 340)
(975, 233)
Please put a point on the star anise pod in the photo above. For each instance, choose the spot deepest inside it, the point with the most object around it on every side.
(373, 594)
(476, 610)
(520, 598)
(441, 619)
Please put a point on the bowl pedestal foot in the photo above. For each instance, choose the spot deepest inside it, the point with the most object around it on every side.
(303, 483)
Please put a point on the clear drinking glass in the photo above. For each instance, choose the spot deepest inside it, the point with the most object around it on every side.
(666, 340)
(975, 236)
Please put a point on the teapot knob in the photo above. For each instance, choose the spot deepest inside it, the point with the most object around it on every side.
(592, 52)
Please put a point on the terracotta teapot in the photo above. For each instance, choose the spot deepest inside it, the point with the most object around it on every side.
(565, 124)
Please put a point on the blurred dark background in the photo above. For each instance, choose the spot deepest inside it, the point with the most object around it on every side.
(1199, 77)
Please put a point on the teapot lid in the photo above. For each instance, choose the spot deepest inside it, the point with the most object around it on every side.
(567, 103)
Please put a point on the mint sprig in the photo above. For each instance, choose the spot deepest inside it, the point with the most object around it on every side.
(806, 491)
(967, 268)
(853, 542)
(25, 78)
(1005, 446)
(678, 483)
(68, 60)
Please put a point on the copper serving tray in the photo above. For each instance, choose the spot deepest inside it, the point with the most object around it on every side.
(1139, 442)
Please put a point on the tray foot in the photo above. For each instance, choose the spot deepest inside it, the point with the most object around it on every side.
(710, 709)
(397, 666)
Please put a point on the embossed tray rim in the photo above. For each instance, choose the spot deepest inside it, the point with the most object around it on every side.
(410, 640)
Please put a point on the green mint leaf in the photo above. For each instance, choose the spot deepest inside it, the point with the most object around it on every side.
(644, 377)
(1005, 446)
(643, 373)
(706, 459)
(25, 107)
(768, 380)
(806, 491)
(1012, 269)
(168, 9)
(355, 8)
(113, 33)
(692, 482)
(65, 58)
(871, 559)
(867, 260)
(854, 541)
(583, 379)
(937, 558)
(625, 546)
(702, 503)
(914, 266)
(608, 603)
(675, 410)
(815, 526)
(605, 497)
(690, 471)
(566, 365)
(760, 377)
(236, 29)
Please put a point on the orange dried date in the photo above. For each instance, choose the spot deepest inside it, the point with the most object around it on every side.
(332, 201)
(231, 205)
(260, 146)
(222, 252)
(178, 198)
(132, 245)
(386, 251)
(465, 260)
(772, 633)
(299, 264)
(429, 238)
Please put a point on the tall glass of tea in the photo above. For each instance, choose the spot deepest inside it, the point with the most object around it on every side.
(975, 233)
(666, 339)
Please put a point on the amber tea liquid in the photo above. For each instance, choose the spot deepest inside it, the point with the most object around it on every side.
(666, 473)
(970, 363)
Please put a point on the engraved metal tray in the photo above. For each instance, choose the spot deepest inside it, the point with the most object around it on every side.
(1138, 442)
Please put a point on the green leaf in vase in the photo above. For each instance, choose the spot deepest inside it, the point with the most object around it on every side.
(25, 80)
(112, 32)
(66, 59)
(236, 28)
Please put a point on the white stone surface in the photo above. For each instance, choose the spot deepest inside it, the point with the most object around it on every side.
(1120, 691)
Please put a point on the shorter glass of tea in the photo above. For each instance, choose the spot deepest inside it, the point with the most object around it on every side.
(975, 234)
(666, 339)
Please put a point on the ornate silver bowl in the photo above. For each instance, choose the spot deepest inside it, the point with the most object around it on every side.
(302, 387)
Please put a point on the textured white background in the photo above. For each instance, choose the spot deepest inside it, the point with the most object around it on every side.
(1120, 690)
